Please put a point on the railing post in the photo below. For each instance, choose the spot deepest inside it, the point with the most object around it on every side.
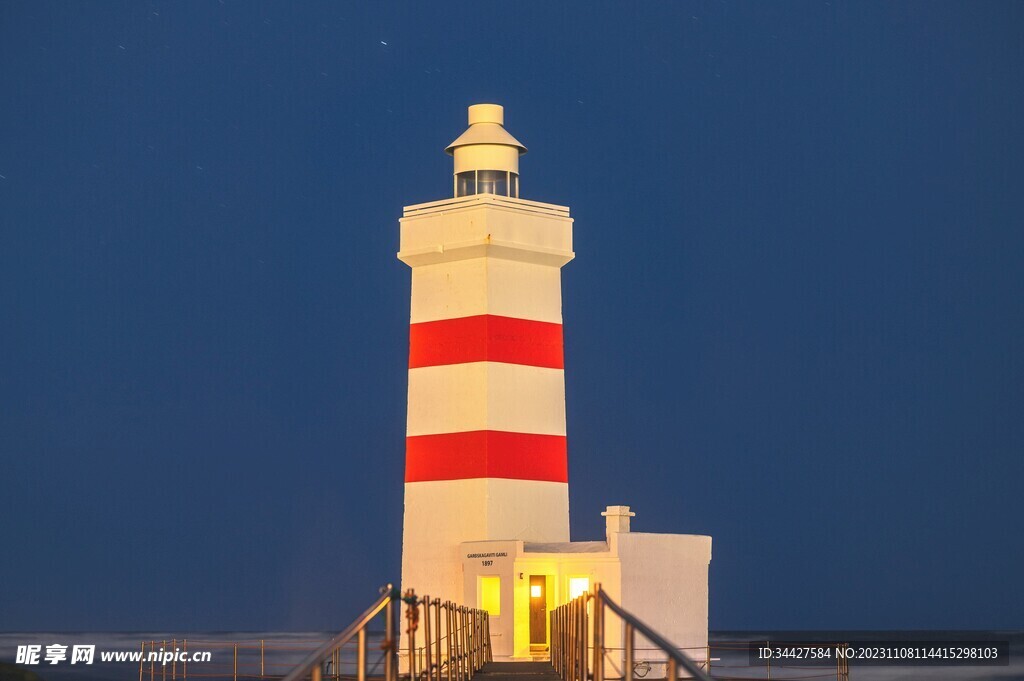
(570, 673)
(627, 665)
(390, 644)
(577, 629)
(411, 616)
(555, 637)
(487, 637)
(262, 658)
(428, 644)
(582, 644)
(465, 641)
(564, 627)
(567, 652)
(437, 635)
(460, 643)
(553, 618)
(562, 640)
(842, 663)
(578, 650)
(480, 639)
(474, 632)
(474, 641)
(566, 669)
(459, 659)
(475, 616)
(471, 639)
(456, 636)
(361, 655)
(671, 671)
(598, 633)
(460, 619)
(470, 642)
(556, 653)
(584, 634)
(449, 671)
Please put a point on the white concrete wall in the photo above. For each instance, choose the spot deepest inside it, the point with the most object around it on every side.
(665, 584)
(439, 515)
(475, 286)
(486, 396)
(446, 228)
(477, 562)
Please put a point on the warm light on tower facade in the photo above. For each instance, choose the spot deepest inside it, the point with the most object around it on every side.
(486, 447)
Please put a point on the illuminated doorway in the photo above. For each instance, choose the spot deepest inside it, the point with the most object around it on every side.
(538, 610)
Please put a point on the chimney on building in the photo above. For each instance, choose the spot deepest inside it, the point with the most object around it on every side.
(616, 519)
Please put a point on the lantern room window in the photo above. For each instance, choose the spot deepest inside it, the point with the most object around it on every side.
(498, 182)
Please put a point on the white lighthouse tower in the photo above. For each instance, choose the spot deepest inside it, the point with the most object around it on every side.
(486, 474)
(486, 448)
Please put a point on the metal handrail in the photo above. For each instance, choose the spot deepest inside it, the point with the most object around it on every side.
(569, 641)
(457, 644)
(466, 637)
(312, 664)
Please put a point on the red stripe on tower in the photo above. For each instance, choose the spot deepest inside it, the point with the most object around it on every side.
(485, 338)
(486, 454)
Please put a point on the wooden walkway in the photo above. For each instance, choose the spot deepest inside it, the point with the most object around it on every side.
(516, 671)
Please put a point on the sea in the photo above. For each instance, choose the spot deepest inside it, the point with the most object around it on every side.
(255, 655)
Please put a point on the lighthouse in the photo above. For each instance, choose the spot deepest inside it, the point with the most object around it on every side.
(486, 471)
(485, 446)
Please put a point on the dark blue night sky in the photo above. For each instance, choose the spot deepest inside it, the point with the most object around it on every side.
(794, 321)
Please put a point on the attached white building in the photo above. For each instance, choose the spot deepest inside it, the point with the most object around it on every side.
(486, 486)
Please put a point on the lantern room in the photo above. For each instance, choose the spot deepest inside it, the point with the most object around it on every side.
(486, 155)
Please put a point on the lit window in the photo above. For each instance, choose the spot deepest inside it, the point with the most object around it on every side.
(578, 586)
(490, 595)
(535, 591)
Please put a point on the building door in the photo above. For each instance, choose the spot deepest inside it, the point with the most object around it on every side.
(538, 610)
